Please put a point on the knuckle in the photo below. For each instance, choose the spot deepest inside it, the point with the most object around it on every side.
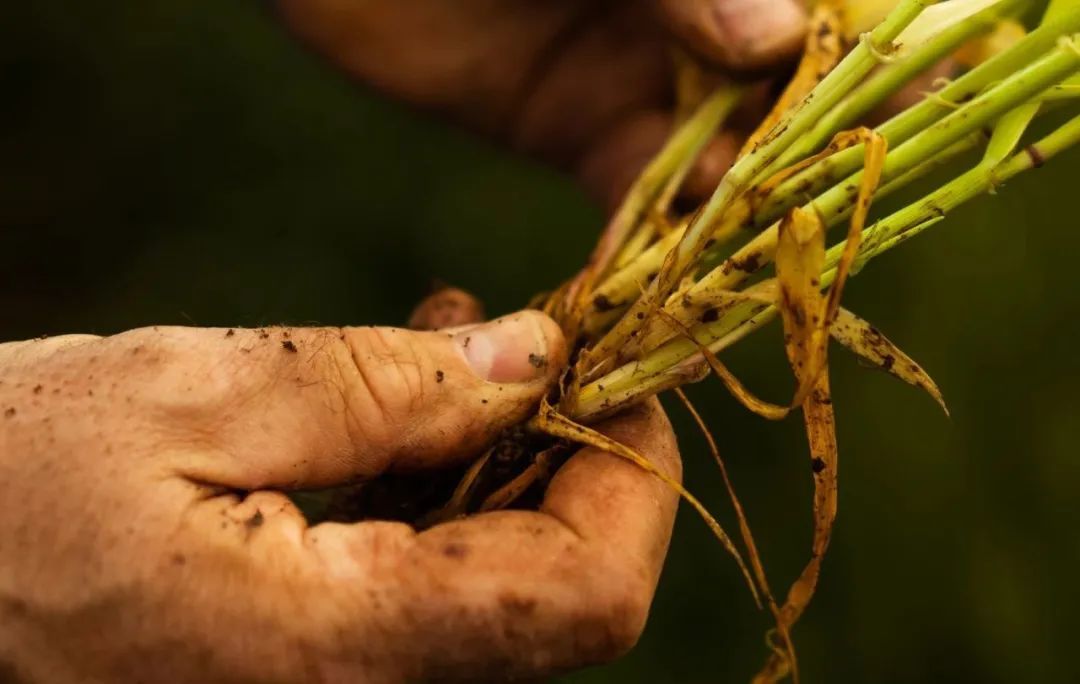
(386, 379)
(171, 370)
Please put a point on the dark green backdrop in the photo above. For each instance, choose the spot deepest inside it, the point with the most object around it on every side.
(172, 162)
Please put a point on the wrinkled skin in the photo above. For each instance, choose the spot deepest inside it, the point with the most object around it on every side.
(144, 535)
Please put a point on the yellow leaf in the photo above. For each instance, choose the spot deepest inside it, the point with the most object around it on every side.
(867, 341)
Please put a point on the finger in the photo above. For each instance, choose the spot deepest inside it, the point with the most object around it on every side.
(616, 160)
(743, 35)
(306, 407)
(28, 351)
(514, 592)
(447, 308)
(615, 505)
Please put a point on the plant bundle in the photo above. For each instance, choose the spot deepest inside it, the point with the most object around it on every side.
(664, 294)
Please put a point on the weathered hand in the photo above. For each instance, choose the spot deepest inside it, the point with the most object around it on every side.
(583, 83)
(143, 536)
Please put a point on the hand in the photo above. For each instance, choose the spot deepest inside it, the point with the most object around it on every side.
(583, 83)
(143, 535)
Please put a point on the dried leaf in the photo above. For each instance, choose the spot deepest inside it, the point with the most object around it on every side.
(800, 254)
(806, 314)
(824, 48)
(552, 423)
(821, 433)
(459, 500)
(507, 494)
(876, 147)
(744, 526)
(732, 383)
(867, 341)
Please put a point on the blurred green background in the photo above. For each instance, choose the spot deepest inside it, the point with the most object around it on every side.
(187, 163)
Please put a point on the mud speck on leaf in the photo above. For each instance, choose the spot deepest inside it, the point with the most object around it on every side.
(602, 303)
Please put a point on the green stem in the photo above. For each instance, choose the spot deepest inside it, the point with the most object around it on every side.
(675, 362)
(1056, 8)
(1063, 21)
(858, 63)
(1030, 82)
(691, 306)
(895, 76)
(684, 145)
(986, 177)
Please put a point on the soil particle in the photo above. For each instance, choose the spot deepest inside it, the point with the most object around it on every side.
(255, 521)
(455, 550)
(538, 361)
(230, 332)
(747, 264)
(517, 605)
(288, 346)
(817, 465)
(602, 303)
(439, 376)
(37, 389)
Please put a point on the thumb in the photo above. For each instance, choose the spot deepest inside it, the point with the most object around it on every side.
(742, 35)
(310, 407)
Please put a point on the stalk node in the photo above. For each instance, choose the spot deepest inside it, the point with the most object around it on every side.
(887, 54)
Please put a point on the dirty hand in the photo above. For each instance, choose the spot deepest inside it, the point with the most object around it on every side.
(583, 83)
(143, 536)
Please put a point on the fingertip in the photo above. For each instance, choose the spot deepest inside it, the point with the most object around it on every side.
(742, 35)
(446, 308)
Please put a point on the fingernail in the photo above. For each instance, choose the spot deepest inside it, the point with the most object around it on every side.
(509, 349)
(758, 33)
